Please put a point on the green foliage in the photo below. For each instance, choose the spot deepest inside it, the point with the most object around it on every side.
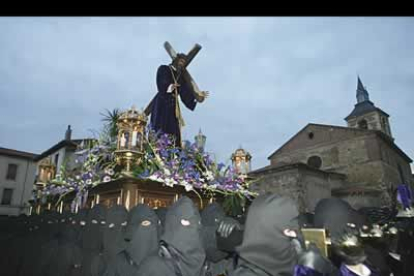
(234, 204)
(110, 119)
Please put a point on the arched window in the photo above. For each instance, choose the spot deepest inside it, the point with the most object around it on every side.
(363, 124)
(315, 162)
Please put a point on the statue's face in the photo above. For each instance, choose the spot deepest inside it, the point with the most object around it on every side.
(180, 63)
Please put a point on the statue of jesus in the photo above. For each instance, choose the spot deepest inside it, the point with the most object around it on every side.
(174, 81)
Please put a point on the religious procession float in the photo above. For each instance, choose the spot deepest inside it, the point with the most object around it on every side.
(135, 160)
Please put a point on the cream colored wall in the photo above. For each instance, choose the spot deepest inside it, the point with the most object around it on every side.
(22, 186)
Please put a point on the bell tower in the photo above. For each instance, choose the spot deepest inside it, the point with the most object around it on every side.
(366, 115)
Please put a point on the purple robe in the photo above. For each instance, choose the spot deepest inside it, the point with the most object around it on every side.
(163, 115)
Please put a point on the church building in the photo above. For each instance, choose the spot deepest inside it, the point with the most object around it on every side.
(358, 163)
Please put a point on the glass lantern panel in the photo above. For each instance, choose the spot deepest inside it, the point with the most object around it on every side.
(134, 139)
(243, 167)
(127, 140)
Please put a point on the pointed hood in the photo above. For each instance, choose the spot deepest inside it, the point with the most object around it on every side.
(141, 233)
(264, 244)
(182, 232)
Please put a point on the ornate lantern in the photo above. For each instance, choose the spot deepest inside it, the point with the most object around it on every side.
(46, 170)
(130, 146)
(241, 161)
(200, 140)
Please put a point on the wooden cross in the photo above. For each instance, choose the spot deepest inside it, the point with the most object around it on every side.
(186, 75)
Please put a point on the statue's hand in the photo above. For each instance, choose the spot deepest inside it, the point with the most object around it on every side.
(201, 96)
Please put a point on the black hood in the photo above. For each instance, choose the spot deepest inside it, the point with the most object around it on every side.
(306, 220)
(342, 223)
(141, 233)
(67, 230)
(212, 215)
(92, 238)
(51, 224)
(264, 244)
(78, 220)
(210, 220)
(116, 218)
(182, 232)
(334, 214)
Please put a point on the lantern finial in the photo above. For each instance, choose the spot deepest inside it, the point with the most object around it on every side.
(131, 130)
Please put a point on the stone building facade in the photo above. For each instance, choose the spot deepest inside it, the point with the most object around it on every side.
(17, 177)
(306, 185)
(363, 157)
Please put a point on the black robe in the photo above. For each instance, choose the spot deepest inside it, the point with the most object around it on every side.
(142, 240)
(163, 112)
(13, 240)
(265, 249)
(28, 260)
(181, 250)
(65, 255)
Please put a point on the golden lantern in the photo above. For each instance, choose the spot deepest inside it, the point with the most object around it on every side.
(46, 170)
(130, 145)
(241, 161)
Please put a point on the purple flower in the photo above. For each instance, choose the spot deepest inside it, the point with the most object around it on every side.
(144, 174)
(220, 166)
(174, 150)
(164, 153)
(182, 155)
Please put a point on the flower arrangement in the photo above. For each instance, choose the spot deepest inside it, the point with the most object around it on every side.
(93, 165)
(190, 167)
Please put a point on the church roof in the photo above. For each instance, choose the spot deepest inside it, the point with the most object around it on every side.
(360, 86)
(379, 133)
(297, 165)
(364, 105)
(364, 108)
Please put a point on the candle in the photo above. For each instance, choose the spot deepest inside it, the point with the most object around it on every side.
(134, 138)
(123, 140)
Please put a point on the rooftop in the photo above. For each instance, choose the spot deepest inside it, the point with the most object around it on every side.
(17, 153)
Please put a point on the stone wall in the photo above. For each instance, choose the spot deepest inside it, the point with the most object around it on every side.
(364, 159)
(306, 186)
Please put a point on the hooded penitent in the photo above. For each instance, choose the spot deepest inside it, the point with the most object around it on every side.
(65, 258)
(306, 220)
(211, 217)
(92, 241)
(265, 249)
(79, 222)
(31, 241)
(141, 236)
(48, 249)
(210, 220)
(182, 251)
(113, 231)
(92, 238)
(341, 222)
(13, 244)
